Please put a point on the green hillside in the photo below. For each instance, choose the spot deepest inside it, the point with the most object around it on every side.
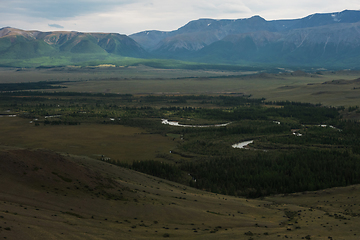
(20, 48)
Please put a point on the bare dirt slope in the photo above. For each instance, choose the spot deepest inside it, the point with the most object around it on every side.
(45, 195)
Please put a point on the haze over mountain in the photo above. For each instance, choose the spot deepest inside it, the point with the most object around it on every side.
(318, 40)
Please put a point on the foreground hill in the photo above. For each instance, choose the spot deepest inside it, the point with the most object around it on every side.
(317, 40)
(53, 196)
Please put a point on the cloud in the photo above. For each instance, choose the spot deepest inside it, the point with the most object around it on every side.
(54, 9)
(219, 8)
(280, 9)
(55, 25)
(131, 16)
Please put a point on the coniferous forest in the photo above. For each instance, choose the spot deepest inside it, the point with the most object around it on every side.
(296, 146)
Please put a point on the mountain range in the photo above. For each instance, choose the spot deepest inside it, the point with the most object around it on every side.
(321, 40)
(329, 39)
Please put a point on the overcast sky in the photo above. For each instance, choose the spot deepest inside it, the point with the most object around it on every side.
(131, 16)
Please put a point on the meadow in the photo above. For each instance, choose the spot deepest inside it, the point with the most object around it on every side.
(93, 140)
(330, 88)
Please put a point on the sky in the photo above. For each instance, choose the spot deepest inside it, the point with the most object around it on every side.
(132, 16)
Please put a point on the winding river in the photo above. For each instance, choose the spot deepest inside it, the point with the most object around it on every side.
(242, 145)
(176, 124)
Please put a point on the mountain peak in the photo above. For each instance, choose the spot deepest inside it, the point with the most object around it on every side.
(257, 17)
(9, 31)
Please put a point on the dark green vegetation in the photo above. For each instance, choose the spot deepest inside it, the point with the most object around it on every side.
(268, 173)
(297, 146)
(29, 86)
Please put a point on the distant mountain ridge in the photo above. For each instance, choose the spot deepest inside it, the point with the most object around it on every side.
(320, 39)
(219, 29)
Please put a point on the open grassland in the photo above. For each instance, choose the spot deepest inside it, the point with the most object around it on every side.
(104, 72)
(113, 141)
(310, 88)
(83, 198)
(95, 59)
(328, 88)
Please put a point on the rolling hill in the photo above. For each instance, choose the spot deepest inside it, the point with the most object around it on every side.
(18, 44)
(47, 195)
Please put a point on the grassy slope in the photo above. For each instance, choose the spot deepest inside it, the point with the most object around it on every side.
(84, 198)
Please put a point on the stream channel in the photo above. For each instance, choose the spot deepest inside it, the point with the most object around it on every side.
(241, 145)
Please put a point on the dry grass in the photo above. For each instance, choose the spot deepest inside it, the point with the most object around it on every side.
(150, 207)
(114, 141)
